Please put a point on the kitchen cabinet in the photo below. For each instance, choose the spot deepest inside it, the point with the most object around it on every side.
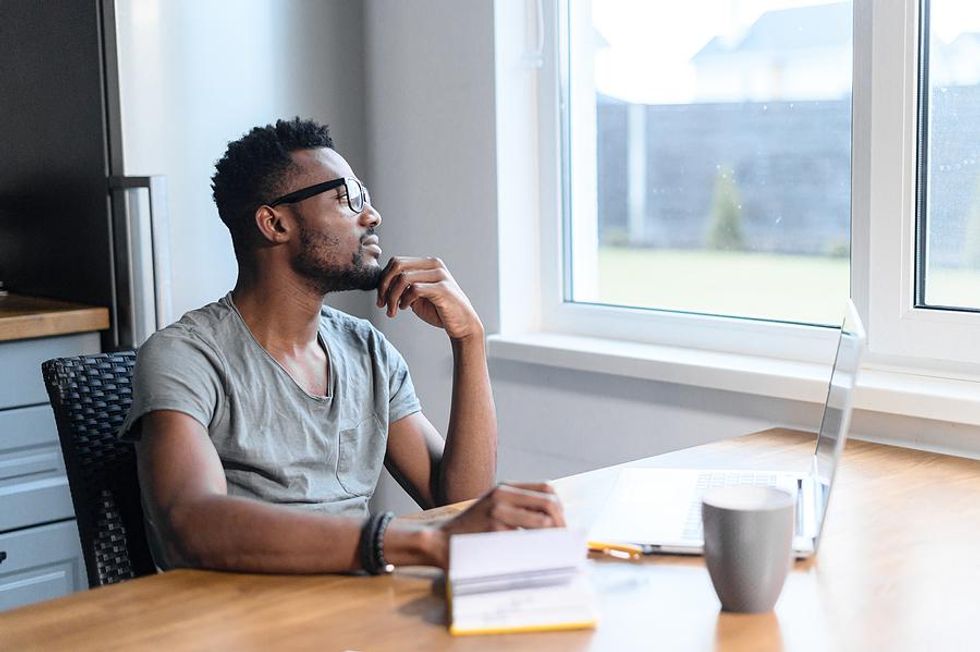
(40, 557)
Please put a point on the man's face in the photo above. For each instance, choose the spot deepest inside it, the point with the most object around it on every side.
(337, 248)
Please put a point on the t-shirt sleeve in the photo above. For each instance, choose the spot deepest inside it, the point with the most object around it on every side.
(174, 371)
(402, 400)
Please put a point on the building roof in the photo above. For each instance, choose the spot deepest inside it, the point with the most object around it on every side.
(790, 29)
(966, 38)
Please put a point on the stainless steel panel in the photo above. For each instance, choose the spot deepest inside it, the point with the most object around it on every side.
(141, 240)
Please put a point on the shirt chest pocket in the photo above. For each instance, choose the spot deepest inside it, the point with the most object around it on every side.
(361, 456)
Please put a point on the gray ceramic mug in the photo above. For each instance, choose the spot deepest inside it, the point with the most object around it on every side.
(748, 541)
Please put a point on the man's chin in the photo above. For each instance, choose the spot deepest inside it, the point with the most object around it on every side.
(366, 277)
(363, 277)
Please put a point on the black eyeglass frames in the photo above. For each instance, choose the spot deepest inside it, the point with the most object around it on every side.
(357, 193)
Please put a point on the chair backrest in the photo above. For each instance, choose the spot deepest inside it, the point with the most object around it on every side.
(91, 395)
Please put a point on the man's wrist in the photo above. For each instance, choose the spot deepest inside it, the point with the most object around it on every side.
(409, 544)
(371, 547)
(434, 546)
(475, 335)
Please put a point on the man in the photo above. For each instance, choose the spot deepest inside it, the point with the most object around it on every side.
(262, 420)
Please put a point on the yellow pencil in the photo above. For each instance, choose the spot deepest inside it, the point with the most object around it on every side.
(607, 547)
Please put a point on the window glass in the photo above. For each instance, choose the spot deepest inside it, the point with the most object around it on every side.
(949, 182)
(708, 147)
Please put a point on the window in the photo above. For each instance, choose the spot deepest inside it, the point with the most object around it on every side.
(724, 180)
(948, 206)
(708, 157)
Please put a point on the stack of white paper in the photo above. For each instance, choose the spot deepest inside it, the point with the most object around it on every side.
(519, 581)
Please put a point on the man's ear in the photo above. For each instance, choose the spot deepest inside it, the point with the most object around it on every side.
(274, 226)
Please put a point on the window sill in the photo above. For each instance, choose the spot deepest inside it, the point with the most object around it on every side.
(893, 391)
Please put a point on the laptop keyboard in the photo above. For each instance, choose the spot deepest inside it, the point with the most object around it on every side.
(693, 528)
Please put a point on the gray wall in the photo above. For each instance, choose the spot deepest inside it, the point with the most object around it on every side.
(195, 75)
(430, 108)
(431, 167)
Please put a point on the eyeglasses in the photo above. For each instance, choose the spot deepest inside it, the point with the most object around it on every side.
(357, 194)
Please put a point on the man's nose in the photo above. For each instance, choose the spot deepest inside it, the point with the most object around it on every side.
(370, 216)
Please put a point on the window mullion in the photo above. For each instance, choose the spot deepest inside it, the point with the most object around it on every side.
(861, 122)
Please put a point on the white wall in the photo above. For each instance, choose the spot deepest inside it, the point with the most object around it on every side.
(196, 75)
(408, 88)
(430, 145)
(430, 107)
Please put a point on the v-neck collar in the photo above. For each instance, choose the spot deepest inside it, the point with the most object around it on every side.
(270, 357)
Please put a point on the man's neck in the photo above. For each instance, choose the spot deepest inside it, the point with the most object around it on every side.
(283, 316)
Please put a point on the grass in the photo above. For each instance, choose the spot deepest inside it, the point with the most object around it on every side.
(807, 289)
(954, 287)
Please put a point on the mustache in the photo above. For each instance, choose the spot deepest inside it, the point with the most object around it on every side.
(367, 234)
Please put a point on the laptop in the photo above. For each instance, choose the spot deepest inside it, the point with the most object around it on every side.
(660, 509)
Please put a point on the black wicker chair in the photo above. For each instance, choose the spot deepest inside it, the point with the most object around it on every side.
(90, 396)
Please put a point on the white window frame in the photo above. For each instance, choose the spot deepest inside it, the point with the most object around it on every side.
(898, 331)
(883, 158)
(660, 327)
(536, 325)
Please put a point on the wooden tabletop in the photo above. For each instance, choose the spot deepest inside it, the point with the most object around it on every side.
(897, 570)
(26, 317)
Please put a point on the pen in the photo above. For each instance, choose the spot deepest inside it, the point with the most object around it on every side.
(628, 549)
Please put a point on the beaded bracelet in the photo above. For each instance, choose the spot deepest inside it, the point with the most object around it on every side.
(371, 546)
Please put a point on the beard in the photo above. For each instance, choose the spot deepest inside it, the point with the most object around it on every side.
(327, 276)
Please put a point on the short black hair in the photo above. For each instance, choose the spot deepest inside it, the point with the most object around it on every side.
(254, 170)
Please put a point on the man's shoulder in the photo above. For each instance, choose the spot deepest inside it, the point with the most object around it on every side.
(201, 330)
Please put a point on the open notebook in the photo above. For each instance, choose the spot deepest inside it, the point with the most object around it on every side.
(519, 581)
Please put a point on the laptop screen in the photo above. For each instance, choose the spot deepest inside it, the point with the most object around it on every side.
(837, 412)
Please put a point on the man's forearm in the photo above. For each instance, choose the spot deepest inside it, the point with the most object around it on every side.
(231, 533)
(469, 462)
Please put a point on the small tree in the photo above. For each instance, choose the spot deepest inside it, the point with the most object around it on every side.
(725, 229)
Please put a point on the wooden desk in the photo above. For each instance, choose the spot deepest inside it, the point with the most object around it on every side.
(897, 571)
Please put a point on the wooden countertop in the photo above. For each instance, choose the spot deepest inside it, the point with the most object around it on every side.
(23, 317)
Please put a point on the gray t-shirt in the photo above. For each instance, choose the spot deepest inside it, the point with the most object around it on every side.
(278, 443)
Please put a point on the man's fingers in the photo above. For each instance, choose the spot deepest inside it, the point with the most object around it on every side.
(418, 290)
(385, 281)
(396, 265)
(413, 293)
(532, 493)
(545, 502)
(510, 506)
(406, 280)
(399, 265)
(513, 516)
(540, 487)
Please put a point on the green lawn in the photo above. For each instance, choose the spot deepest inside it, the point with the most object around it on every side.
(954, 287)
(809, 289)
